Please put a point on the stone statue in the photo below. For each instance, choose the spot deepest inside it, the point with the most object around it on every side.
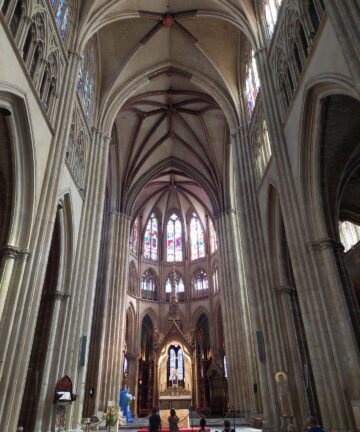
(282, 387)
(125, 400)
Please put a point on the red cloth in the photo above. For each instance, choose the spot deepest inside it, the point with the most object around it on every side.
(195, 429)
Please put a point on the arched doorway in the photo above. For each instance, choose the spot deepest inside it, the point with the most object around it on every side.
(340, 173)
(36, 367)
(146, 368)
(202, 363)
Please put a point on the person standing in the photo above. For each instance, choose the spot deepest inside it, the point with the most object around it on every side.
(173, 421)
(154, 421)
(313, 425)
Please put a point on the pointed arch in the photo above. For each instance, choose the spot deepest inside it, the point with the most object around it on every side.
(196, 236)
(174, 237)
(151, 238)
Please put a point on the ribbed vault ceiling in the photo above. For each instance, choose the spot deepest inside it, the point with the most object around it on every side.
(186, 129)
(185, 58)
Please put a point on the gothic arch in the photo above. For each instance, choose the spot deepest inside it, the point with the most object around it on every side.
(311, 200)
(20, 133)
(152, 315)
(200, 310)
(92, 24)
(131, 328)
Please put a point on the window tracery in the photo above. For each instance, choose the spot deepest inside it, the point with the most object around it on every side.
(174, 245)
(197, 243)
(86, 79)
(151, 239)
(200, 283)
(175, 364)
(297, 29)
(77, 149)
(16, 17)
(149, 288)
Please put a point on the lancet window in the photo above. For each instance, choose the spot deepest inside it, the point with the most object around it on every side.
(61, 9)
(261, 145)
(213, 237)
(175, 365)
(179, 286)
(271, 9)
(134, 237)
(151, 239)
(149, 287)
(197, 242)
(77, 149)
(174, 239)
(252, 84)
(349, 234)
(215, 279)
(200, 283)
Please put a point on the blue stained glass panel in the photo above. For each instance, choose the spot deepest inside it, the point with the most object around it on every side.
(180, 364)
(60, 11)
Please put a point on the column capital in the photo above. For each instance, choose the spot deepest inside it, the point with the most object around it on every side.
(10, 251)
(325, 243)
(60, 295)
(74, 54)
(120, 214)
(284, 289)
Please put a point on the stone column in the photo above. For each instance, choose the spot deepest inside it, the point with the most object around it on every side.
(263, 315)
(345, 16)
(20, 332)
(85, 271)
(235, 313)
(328, 361)
(110, 375)
(291, 362)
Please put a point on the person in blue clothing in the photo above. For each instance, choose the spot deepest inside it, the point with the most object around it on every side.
(313, 425)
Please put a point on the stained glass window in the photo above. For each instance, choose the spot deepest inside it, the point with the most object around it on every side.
(200, 283)
(252, 84)
(271, 8)
(196, 238)
(225, 367)
(149, 285)
(64, 24)
(134, 237)
(86, 79)
(349, 234)
(215, 279)
(151, 239)
(59, 13)
(172, 363)
(180, 365)
(175, 364)
(174, 239)
(213, 238)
